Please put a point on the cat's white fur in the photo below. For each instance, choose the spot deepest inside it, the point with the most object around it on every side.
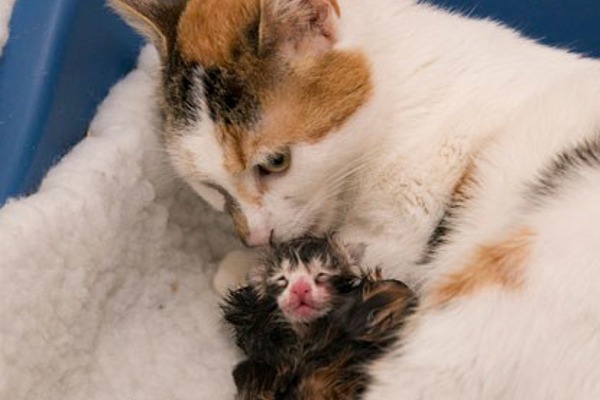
(453, 93)
(453, 97)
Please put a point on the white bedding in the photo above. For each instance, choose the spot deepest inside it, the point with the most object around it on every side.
(105, 272)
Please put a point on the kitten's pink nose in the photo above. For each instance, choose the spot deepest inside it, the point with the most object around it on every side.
(301, 289)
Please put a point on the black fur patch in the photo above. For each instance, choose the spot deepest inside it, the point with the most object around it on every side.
(565, 167)
(307, 248)
(552, 179)
(442, 231)
(259, 328)
(182, 90)
(230, 100)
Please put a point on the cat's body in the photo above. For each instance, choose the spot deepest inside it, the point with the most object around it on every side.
(327, 355)
(404, 116)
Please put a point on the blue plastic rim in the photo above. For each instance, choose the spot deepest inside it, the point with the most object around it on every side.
(569, 24)
(63, 56)
(60, 61)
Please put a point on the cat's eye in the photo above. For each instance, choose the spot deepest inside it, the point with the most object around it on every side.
(322, 277)
(275, 163)
(281, 282)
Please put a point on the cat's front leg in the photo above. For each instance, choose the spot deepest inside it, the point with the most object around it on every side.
(233, 270)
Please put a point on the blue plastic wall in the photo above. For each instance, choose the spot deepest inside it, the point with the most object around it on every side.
(60, 61)
(63, 56)
(571, 24)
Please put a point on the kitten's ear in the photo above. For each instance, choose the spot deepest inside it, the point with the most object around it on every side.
(298, 27)
(157, 20)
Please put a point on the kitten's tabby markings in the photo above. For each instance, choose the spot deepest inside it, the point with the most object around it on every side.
(323, 357)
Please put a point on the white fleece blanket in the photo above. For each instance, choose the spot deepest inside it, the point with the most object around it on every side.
(105, 272)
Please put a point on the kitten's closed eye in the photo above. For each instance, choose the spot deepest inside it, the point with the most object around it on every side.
(281, 282)
(322, 277)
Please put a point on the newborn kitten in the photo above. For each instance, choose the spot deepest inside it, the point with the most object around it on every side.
(310, 323)
(305, 274)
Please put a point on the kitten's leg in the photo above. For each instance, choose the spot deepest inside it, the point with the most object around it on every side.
(233, 270)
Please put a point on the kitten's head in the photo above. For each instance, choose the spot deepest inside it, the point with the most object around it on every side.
(257, 95)
(305, 275)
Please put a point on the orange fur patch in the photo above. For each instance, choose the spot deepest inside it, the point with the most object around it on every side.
(314, 100)
(247, 194)
(209, 29)
(235, 144)
(300, 101)
(500, 264)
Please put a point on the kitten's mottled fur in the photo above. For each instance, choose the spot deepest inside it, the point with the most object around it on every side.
(324, 357)
(304, 275)
(463, 155)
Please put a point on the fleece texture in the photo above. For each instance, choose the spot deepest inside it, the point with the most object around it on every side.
(105, 273)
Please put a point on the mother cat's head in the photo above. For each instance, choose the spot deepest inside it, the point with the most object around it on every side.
(256, 95)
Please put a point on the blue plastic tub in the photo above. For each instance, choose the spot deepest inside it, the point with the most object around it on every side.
(63, 56)
(571, 24)
(60, 61)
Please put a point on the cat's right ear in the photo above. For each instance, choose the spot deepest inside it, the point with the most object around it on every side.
(298, 27)
(157, 20)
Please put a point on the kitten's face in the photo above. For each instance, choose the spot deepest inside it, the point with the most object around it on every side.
(304, 275)
(256, 98)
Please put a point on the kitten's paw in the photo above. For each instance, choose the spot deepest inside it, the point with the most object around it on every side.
(233, 270)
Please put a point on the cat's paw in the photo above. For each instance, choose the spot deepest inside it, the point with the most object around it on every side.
(233, 270)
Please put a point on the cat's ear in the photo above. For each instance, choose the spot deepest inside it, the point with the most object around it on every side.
(298, 27)
(157, 20)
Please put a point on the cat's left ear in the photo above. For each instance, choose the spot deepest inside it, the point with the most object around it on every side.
(157, 20)
(298, 27)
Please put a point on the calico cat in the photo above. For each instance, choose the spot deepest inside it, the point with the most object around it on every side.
(353, 317)
(463, 155)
